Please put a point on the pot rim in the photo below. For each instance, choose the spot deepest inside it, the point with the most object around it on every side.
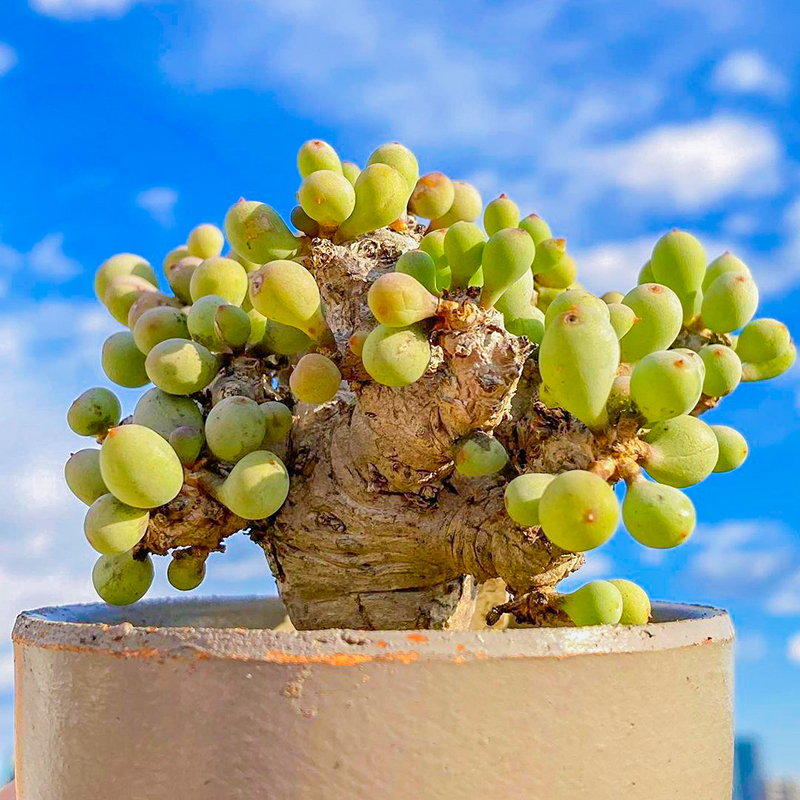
(129, 632)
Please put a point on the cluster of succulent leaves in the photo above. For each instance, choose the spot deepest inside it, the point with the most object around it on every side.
(654, 359)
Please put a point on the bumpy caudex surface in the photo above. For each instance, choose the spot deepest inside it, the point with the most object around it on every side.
(413, 420)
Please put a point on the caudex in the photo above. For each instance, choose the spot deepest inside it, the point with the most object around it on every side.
(399, 413)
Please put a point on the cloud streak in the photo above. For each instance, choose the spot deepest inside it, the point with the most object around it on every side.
(747, 72)
(785, 602)
(793, 648)
(498, 86)
(751, 646)
(8, 58)
(695, 165)
(749, 559)
(740, 557)
(46, 259)
(159, 202)
(82, 10)
(49, 350)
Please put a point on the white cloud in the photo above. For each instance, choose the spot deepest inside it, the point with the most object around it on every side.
(6, 671)
(741, 556)
(250, 567)
(598, 565)
(349, 69)
(50, 351)
(749, 557)
(492, 89)
(557, 143)
(791, 217)
(740, 224)
(747, 72)
(751, 646)
(81, 9)
(788, 256)
(8, 58)
(434, 90)
(793, 648)
(613, 265)
(10, 261)
(21, 591)
(159, 202)
(651, 557)
(785, 602)
(693, 165)
(47, 259)
(781, 268)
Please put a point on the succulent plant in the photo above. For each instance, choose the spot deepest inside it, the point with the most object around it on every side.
(400, 412)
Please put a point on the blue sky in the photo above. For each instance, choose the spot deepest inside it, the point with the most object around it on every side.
(125, 123)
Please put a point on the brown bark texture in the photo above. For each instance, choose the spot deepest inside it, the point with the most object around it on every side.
(378, 530)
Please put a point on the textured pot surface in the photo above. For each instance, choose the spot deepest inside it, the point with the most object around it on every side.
(198, 699)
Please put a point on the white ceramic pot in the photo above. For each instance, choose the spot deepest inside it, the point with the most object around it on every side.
(201, 700)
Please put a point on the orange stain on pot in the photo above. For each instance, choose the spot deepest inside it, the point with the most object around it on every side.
(339, 659)
(420, 638)
(272, 656)
(148, 652)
